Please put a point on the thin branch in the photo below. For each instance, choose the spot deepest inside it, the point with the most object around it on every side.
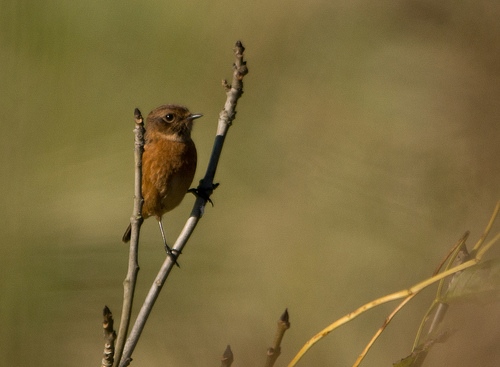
(479, 243)
(109, 338)
(452, 251)
(136, 222)
(226, 117)
(381, 329)
(437, 306)
(203, 191)
(274, 352)
(486, 247)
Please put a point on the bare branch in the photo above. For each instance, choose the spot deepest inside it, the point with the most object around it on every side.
(274, 352)
(226, 118)
(136, 222)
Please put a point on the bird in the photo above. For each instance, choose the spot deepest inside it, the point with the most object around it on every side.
(168, 163)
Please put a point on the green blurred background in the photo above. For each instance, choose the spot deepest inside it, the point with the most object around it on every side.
(366, 143)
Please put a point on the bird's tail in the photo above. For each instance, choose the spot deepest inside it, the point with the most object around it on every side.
(126, 235)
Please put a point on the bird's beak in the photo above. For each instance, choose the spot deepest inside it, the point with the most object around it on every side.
(195, 116)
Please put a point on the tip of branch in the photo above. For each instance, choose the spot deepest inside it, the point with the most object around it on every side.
(239, 45)
(228, 352)
(108, 319)
(138, 116)
(227, 357)
(285, 318)
(106, 311)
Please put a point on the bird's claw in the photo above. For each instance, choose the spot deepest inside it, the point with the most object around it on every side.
(204, 193)
(173, 253)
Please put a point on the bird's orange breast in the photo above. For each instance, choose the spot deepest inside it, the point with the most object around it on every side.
(168, 170)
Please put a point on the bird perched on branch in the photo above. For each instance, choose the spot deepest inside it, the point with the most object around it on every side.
(168, 162)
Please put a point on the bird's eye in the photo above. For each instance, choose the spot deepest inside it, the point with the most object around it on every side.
(169, 117)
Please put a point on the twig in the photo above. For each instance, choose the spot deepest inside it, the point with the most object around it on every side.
(437, 304)
(274, 352)
(204, 191)
(109, 338)
(136, 221)
(382, 328)
(479, 244)
(452, 251)
(226, 117)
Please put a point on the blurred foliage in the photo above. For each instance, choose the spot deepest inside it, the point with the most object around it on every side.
(476, 286)
(481, 282)
(366, 142)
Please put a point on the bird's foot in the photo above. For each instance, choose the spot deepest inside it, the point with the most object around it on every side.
(173, 253)
(204, 193)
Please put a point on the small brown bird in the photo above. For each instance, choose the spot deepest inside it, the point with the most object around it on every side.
(168, 162)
